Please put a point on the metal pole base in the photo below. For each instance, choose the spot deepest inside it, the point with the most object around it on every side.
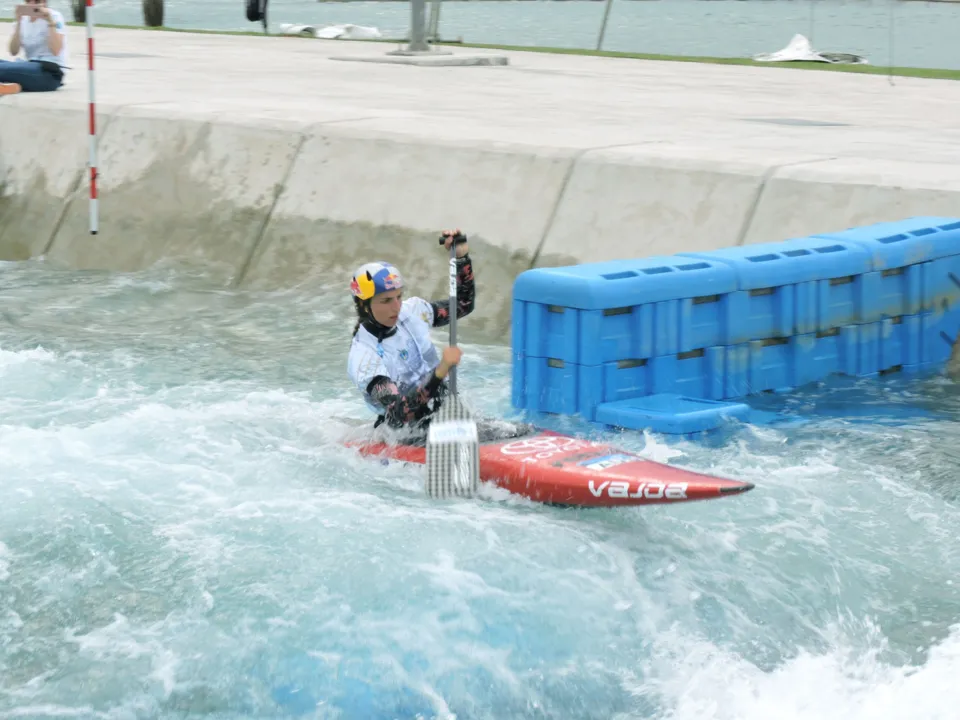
(420, 53)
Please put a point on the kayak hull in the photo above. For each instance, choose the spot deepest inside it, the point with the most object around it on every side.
(557, 469)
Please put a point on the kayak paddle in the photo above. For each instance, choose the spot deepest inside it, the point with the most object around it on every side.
(453, 446)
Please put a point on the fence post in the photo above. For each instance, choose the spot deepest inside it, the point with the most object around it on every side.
(603, 26)
(433, 24)
(153, 13)
(418, 29)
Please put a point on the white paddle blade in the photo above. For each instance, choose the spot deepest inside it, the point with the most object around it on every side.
(453, 452)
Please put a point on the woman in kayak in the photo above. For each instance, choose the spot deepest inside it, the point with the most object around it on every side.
(392, 360)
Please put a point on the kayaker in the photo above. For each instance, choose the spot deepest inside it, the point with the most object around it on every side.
(392, 360)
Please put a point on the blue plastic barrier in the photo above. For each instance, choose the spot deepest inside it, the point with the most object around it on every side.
(764, 366)
(671, 413)
(547, 385)
(940, 330)
(792, 287)
(941, 283)
(909, 272)
(621, 343)
(602, 312)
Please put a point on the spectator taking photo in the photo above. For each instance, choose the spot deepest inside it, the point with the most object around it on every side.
(39, 33)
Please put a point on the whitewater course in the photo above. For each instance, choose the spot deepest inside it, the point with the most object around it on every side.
(182, 534)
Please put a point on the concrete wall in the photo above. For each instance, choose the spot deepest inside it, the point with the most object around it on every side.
(275, 204)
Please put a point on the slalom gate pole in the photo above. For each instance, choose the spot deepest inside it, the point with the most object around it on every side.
(91, 84)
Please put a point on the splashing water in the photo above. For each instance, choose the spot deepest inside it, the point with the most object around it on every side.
(182, 535)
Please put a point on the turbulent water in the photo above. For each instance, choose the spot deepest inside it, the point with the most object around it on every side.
(182, 536)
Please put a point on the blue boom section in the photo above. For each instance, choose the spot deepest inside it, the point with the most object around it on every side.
(671, 343)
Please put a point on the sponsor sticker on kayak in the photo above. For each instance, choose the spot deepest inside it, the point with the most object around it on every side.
(544, 446)
(605, 462)
(452, 431)
(650, 491)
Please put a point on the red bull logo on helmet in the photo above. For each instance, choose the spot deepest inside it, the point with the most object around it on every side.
(392, 281)
(375, 278)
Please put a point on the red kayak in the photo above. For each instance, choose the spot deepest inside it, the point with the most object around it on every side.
(552, 468)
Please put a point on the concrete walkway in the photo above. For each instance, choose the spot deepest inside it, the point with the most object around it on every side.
(702, 110)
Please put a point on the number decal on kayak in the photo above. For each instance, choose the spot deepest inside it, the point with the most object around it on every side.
(545, 446)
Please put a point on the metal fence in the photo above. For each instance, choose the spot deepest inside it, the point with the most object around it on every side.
(911, 33)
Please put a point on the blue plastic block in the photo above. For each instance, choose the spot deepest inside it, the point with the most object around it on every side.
(941, 283)
(883, 345)
(829, 352)
(898, 284)
(545, 386)
(910, 339)
(888, 344)
(892, 293)
(539, 330)
(624, 283)
(697, 373)
(782, 364)
(940, 332)
(610, 382)
(602, 312)
(792, 287)
(552, 386)
(593, 337)
(669, 413)
(761, 366)
(904, 242)
(518, 381)
(868, 349)
(663, 328)
(789, 262)
(901, 340)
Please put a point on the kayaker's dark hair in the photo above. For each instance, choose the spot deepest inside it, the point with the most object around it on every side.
(363, 312)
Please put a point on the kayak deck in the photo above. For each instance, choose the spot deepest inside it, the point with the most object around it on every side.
(557, 469)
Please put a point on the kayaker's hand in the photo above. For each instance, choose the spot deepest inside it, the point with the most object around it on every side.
(451, 357)
(450, 235)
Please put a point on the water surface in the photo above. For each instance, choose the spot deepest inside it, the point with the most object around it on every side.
(182, 536)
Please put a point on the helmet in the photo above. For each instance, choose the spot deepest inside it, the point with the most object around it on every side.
(375, 278)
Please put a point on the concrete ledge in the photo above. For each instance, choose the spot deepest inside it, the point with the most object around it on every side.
(197, 191)
(41, 166)
(349, 198)
(655, 199)
(834, 193)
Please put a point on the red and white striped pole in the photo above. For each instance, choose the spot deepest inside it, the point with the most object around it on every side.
(93, 123)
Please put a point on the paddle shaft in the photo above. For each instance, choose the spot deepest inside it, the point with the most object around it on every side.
(453, 311)
(453, 448)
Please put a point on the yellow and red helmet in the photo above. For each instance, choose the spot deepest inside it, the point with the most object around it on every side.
(375, 278)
